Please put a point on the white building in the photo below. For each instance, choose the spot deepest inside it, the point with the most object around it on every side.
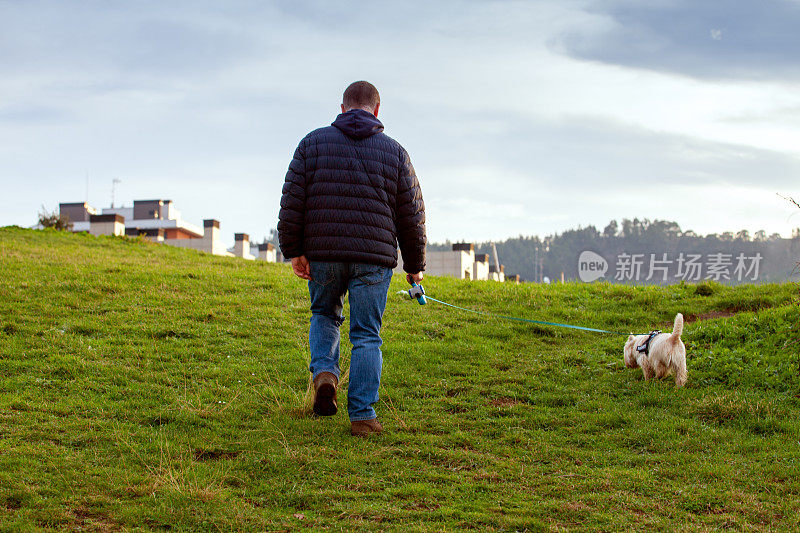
(145, 218)
(458, 263)
(265, 252)
(159, 221)
(461, 262)
(106, 225)
(480, 268)
(497, 274)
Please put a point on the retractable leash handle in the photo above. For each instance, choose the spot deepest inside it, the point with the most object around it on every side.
(416, 291)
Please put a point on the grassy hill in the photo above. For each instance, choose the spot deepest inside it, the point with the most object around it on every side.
(143, 386)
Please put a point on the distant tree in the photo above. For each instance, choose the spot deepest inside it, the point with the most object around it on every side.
(663, 228)
(627, 228)
(775, 237)
(690, 234)
(760, 236)
(51, 219)
(611, 229)
(726, 236)
(743, 235)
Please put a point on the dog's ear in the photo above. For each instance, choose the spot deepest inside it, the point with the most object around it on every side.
(631, 337)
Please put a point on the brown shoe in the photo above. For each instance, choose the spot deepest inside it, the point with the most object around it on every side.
(325, 394)
(365, 428)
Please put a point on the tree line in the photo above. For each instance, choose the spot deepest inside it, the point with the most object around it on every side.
(659, 249)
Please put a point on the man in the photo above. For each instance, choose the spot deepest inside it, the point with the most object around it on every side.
(350, 197)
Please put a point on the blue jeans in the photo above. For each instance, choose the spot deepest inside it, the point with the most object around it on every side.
(367, 287)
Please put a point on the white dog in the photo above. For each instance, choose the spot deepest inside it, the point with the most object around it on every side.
(659, 353)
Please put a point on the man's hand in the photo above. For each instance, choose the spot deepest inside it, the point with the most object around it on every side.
(301, 267)
(414, 278)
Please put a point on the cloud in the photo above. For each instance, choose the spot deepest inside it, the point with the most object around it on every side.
(537, 175)
(584, 151)
(25, 113)
(761, 38)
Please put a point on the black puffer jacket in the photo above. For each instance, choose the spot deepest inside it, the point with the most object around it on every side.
(351, 195)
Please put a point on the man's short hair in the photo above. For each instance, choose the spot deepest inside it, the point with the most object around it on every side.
(361, 94)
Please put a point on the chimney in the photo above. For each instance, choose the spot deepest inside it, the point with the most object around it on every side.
(210, 235)
(241, 246)
(267, 252)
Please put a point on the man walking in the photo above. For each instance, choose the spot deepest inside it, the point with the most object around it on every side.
(350, 197)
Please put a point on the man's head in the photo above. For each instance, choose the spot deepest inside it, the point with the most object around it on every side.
(361, 95)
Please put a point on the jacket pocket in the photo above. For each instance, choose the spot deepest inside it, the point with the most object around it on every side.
(321, 272)
(370, 274)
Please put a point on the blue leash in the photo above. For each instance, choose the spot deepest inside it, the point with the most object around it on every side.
(419, 293)
(525, 319)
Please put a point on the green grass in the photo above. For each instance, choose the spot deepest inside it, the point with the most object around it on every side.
(149, 387)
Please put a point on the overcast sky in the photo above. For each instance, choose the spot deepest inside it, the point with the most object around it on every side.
(521, 117)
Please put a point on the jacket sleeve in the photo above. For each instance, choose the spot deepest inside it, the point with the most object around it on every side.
(410, 222)
(291, 218)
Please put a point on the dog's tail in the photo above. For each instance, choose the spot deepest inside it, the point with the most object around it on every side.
(678, 352)
(677, 329)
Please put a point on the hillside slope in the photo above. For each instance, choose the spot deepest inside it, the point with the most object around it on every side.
(143, 386)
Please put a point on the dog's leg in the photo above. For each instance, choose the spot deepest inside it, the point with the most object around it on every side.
(680, 371)
(661, 370)
(647, 369)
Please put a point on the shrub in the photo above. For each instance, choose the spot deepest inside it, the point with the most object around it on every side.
(704, 289)
(51, 219)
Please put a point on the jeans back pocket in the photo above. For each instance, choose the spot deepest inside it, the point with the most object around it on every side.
(370, 274)
(321, 272)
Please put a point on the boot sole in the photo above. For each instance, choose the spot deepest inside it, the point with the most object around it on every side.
(325, 400)
(364, 433)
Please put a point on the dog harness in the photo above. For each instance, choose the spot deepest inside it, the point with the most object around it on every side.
(645, 348)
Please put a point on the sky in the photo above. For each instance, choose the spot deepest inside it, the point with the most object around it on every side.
(521, 117)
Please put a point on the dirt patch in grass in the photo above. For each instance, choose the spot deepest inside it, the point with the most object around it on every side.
(504, 402)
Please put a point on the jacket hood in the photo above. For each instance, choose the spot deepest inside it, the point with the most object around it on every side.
(358, 124)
